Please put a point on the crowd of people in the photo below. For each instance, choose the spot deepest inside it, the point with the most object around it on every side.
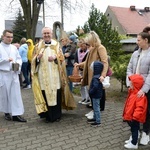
(46, 66)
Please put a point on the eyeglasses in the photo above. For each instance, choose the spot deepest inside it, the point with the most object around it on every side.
(9, 37)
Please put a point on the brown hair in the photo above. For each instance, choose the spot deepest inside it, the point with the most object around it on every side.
(146, 29)
(145, 35)
(23, 40)
(5, 31)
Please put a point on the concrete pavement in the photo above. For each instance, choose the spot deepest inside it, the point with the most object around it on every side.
(71, 133)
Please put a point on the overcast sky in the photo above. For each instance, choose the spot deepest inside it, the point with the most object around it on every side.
(73, 19)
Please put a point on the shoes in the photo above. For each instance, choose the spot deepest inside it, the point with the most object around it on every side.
(131, 146)
(19, 119)
(91, 120)
(144, 139)
(86, 102)
(89, 113)
(89, 105)
(7, 116)
(130, 138)
(80, 102)
(90, 117)
(24, 82)
(27, 87)
(48, 120)
(95, 124)
(101, 109)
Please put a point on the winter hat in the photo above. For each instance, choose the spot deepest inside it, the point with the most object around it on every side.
(72, 38)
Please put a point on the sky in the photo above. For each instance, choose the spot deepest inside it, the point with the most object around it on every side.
(72, 18)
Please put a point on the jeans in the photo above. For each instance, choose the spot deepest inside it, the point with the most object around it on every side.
(84, 92)
(96, 108)
(146, 125)
(24, 70)
(135, 126)
(69, 72)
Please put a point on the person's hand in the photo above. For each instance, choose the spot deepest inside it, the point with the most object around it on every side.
(101, 78)
(90, 48)
(140, 93)
(75, 64)
(51, 58)
(10, 59)
(67, 54)
(40, 55)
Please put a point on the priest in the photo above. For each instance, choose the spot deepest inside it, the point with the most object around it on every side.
(49, 80)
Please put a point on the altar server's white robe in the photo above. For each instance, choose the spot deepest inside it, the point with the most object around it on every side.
(10, 94)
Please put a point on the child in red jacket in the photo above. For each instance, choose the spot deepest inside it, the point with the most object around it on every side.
(134, 110)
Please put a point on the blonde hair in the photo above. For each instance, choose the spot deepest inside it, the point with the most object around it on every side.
(93, 39)
(81, 40)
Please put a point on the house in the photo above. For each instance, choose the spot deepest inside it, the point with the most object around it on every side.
(128, 21)
(38, 35)
(128, 45)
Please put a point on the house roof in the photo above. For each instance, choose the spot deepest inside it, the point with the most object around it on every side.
(10, 23)
(132, 21)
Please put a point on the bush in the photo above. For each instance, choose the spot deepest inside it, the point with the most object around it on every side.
(120, 67)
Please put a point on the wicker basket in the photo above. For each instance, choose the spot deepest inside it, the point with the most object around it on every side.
(75, 77)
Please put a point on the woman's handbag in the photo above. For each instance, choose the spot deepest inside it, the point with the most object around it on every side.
(109, 71)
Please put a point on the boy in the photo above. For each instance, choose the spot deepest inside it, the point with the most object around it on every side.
(95, 92)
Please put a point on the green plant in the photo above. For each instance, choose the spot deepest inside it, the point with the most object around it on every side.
(76, 90)
(120, 67)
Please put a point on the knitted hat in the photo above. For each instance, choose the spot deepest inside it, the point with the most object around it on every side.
(72, 38)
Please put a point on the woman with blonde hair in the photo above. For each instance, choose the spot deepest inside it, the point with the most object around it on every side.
(96, 52)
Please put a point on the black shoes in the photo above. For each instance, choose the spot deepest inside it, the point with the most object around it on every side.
(18, 118)
(89, 105)
(57, 120)
(91, 120)
(7, 116)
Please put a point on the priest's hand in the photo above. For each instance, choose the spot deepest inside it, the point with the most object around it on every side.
(51, 58)
(10, 59)
(40, 55)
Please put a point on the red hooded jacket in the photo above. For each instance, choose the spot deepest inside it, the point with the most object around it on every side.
(135, 108)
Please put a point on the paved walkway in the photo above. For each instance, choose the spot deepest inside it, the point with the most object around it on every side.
(71, 133)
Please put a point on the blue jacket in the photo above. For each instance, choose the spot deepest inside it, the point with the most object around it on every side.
(96, 87)
(23, 51)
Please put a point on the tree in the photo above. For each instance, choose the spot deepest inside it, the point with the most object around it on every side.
(19, 28)
(31, 13)
(98, 22)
